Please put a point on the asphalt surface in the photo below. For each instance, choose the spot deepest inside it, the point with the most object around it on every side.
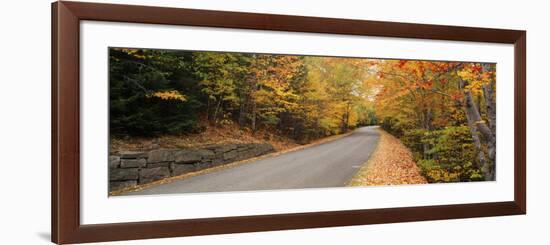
(331, 164)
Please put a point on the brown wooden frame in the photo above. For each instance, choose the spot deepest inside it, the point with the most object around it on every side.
(65, 181)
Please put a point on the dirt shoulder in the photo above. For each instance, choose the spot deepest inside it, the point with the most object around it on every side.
(228, 134)
(391, 164)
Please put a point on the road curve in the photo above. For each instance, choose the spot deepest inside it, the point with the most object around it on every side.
(330, 164)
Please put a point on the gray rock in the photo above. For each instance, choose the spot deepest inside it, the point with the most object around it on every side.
(211, 147)
(243, 147)
(207, 160)
(123, 174)
(206, 154)
(162, 155)
(132, 168)
(178, 169)
(117, 185)
(132, 155)
(202, 165)
(264, 148)
(245, 155)
(114, 161)
(218, 155)
(258, 152)
(158, 164)
(225, 148)
(230, 155)
(133, 163)
(187, 156)
(147, 175)
(217, 162)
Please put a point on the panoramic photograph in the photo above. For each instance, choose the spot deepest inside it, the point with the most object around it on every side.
(184, 121)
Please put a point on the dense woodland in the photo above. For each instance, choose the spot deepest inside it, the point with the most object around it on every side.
(443, 111)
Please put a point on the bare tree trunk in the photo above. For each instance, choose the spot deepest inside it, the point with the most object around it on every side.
(477, 125)
(426, 123)
(208, 110)
(254, 108)
(475, 138)
(490, 103)
(242, 113)
(345, 118)
(216, 111)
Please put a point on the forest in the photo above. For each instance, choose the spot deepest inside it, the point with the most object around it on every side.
(444, 112)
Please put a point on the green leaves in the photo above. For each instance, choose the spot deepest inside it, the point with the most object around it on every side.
(151, 92)
(444, 155)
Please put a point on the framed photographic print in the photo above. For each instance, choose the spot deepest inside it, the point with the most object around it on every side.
(177, 122)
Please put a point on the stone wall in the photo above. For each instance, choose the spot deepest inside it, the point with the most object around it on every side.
(129, 169)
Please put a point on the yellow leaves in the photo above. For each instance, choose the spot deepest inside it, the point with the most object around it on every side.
(137, 53)
(480, 122)
(465, 74)
(169, 95)
(475, 86)
(414, 85)
(476, 77)
(440, 175)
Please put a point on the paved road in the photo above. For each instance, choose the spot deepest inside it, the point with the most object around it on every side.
(331, 164)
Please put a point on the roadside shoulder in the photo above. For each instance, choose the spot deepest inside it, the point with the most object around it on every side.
(391, 163)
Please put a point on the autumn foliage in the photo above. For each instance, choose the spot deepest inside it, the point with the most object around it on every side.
(444, 112)
(391, 164)
(157, 92)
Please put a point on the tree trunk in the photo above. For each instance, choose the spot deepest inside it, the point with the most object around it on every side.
(477, 125)
(345, 118)
(216, 111)
(208, 110)
(253, 123)
(426, 122)
(252, 99)
(489, 94)
(481, 161)
(344, 126)
(490, 103)
(242, 113)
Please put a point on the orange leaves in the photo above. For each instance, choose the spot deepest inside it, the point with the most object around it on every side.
(475, 68)
(421, 85)
(425, 84)
(476, 77)
(457, 95)
(391, 164)
(401, 63)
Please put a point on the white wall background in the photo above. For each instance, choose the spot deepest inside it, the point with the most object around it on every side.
(25, 121)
